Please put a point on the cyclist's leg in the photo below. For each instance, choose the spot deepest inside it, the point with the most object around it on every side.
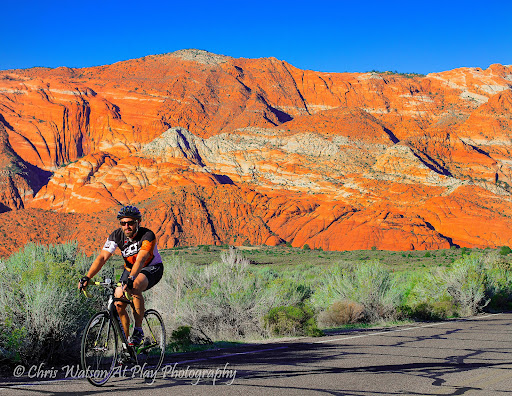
(153, 273)
(148, 277)
(139, 285)
(121, 307)
(121, 310)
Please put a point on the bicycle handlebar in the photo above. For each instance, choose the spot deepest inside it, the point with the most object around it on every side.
(107, 282)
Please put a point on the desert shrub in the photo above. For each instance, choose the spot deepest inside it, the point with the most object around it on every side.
(41, 312)
(266, 273)
(183, 338)
(505, 250)
(466, 282)
(499, 282)
(295, 320)
(166, 295)
(423, 287)
(471, 284)
(341, 313)
(499, 302)
(225, 300)
(432, 311)
(368, 284)
(477, 281)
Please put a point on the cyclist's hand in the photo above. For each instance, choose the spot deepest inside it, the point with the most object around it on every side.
(82, 284)
(128, 284)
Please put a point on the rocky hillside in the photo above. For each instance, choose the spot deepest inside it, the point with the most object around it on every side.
(255, 151)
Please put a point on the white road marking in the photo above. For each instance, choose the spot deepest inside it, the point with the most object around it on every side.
(397, 330)
(231, 354)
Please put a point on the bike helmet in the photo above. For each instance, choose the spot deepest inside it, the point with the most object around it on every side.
(129, 211)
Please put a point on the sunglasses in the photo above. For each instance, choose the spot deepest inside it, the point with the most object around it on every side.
(127, 223)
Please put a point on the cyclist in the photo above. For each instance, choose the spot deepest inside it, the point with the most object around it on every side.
(143, 266)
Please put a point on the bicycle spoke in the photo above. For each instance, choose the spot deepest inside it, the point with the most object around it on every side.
(99, 349)
(152, 349)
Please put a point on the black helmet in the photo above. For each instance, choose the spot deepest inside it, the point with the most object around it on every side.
(129, 211)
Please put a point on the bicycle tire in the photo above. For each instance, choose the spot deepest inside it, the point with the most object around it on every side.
(152, 349)
(99, 349)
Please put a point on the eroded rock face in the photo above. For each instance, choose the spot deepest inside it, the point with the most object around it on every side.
(223, 150)
(19, 180)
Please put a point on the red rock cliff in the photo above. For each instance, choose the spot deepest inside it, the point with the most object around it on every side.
(223, 150)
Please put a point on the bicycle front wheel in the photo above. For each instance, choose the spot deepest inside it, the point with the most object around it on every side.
(152, 349)
(99, 349)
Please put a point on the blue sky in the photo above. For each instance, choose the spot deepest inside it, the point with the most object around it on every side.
(330, 36)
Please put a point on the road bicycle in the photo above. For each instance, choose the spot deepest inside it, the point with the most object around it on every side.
(105, 345)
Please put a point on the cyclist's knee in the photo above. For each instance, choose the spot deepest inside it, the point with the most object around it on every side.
(139, 285)
(121, 307)
(118, 292)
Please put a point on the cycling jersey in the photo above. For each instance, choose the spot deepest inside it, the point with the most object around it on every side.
(145, 239)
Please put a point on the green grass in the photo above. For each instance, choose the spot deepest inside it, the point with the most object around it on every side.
(286, 258)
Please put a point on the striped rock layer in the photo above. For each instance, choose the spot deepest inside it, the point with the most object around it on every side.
(221, 150)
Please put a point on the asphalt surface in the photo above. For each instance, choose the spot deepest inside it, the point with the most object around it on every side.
(457, 357)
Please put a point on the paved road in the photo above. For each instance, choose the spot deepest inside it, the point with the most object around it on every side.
(460, 357)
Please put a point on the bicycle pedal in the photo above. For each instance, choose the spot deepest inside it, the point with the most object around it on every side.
(126, 359)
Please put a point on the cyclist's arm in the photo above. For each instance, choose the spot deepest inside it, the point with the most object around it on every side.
(99, 263)
(142, 258)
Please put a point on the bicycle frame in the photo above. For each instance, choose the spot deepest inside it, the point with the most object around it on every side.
(97, 340)
(114, 315)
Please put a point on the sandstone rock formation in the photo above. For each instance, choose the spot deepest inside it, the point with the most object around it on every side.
(223, 150)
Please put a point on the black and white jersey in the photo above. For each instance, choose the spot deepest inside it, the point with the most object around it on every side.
(145, 239)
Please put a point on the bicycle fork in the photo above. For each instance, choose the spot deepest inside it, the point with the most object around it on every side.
(127, 350)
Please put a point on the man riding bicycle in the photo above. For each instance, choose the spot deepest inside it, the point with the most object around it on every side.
(143, 266)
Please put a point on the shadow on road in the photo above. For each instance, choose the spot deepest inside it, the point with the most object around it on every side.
(445, 359)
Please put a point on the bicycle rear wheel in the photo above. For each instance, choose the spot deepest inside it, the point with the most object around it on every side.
(99, 349)
(152, 349)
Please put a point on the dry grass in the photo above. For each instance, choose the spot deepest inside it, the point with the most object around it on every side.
(341, 313)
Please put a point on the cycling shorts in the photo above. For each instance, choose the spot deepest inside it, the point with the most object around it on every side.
(153, 272)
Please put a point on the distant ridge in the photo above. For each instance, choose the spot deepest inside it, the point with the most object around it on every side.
(217, 150)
